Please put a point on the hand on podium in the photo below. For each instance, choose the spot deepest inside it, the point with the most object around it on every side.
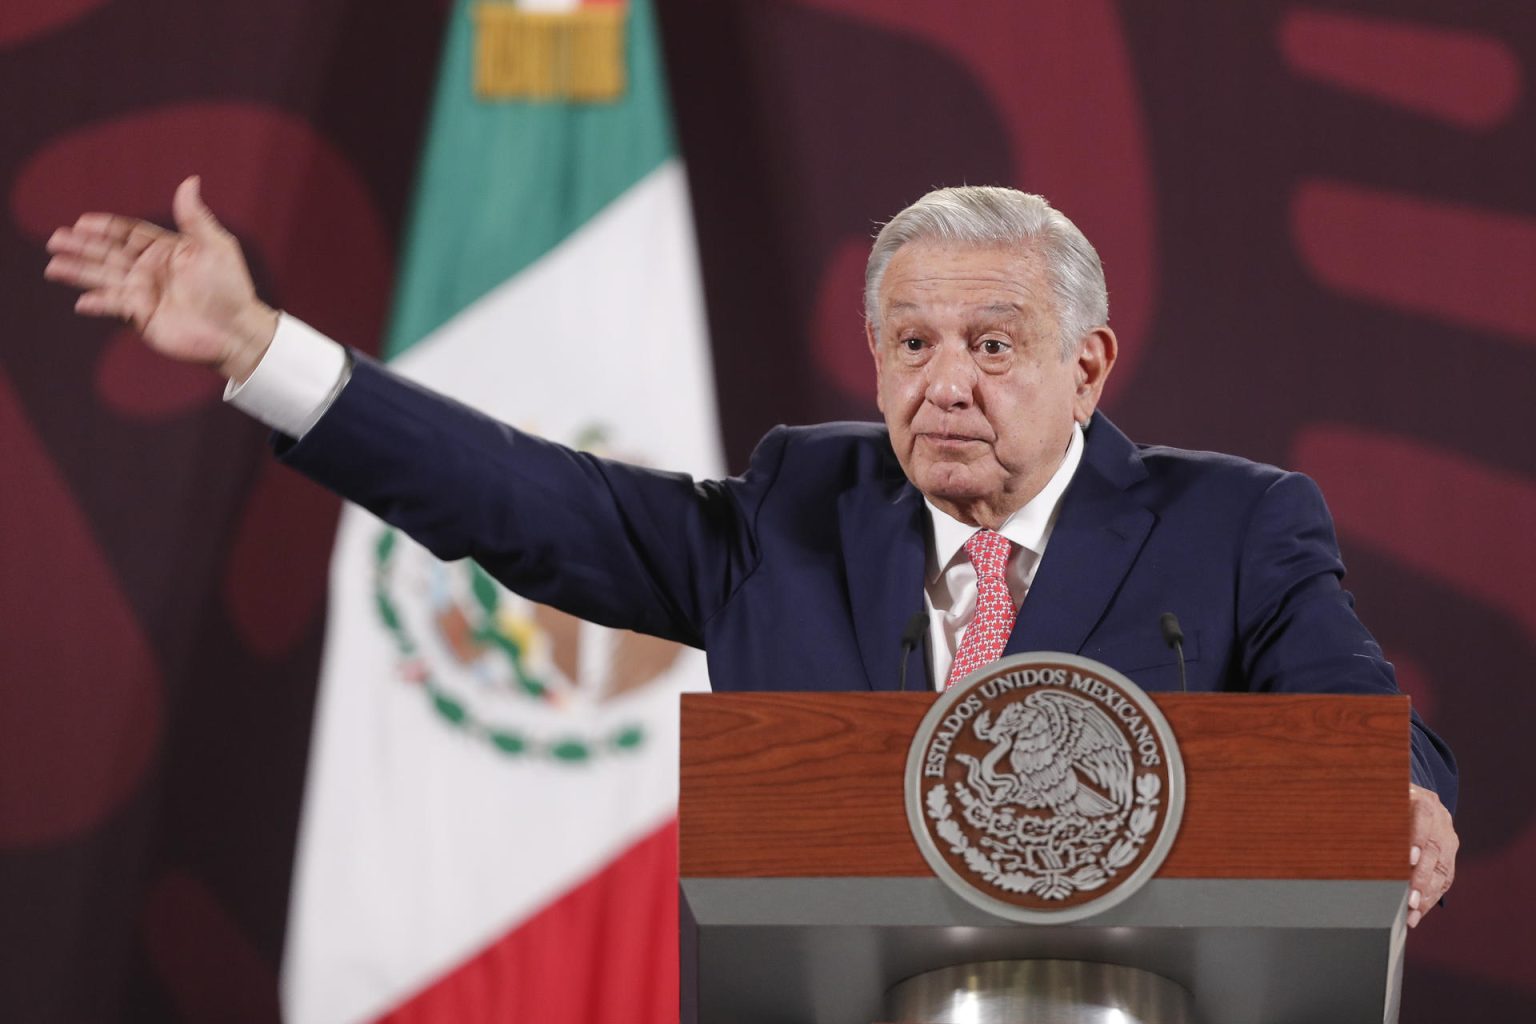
(188, 292)
(1432, 852)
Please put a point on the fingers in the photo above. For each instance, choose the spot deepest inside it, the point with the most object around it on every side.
(1419, 897)
(99, 248)
(85, 273)
(192, 214)
(131, 304)
(68, 242)
(126, 231)
(117, 303)
(1432, 876)
(88, 261)
(131, 297)
(1432, 853)
(90, 257)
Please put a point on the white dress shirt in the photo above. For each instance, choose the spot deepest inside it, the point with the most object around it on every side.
(296, 380)
(950, 591)
(303, 371)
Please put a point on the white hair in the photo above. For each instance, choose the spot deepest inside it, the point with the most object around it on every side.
(990, 215)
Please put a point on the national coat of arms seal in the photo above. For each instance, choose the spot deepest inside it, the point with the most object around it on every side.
(527, 679)
(1044, 788)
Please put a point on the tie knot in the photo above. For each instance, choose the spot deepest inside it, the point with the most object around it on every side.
(989, 552)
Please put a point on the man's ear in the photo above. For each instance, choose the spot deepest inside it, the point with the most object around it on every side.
(873, 340)
(1095, 359)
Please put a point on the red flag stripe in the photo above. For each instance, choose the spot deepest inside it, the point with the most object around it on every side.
(603, 953)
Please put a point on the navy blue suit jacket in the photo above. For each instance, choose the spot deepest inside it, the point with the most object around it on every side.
(801, 573)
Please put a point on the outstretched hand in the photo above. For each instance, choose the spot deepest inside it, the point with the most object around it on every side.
(188, 292)
(1432, 852)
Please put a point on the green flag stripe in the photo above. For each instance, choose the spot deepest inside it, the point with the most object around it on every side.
(503, 182)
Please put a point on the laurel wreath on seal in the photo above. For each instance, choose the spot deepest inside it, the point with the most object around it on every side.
(505, 740)
(1052, 882)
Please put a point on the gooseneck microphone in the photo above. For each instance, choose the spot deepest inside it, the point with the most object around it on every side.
(911, 636)
(1173, 636)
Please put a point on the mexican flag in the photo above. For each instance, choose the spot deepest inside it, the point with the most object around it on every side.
(489, 827)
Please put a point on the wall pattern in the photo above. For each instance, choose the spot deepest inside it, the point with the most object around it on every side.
(1319, 230)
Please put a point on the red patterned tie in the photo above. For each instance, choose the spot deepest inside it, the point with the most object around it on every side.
(987, 634)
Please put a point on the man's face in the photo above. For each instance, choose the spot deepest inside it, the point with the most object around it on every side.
(979, 402)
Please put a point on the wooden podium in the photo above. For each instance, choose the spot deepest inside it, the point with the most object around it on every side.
(1282, 901)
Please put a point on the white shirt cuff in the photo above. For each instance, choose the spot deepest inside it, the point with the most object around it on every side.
(295, 382)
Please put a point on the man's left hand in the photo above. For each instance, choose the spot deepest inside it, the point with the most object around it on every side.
(1432, 852)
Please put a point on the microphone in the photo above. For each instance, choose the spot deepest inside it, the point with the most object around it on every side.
(1173, 636)
(911, 636)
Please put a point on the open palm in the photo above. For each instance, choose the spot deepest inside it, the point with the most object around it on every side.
(189, 293)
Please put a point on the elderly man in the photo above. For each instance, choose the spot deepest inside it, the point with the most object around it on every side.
(996, 501)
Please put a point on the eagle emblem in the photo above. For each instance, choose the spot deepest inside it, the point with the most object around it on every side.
(1044, 785)
(1063, 754)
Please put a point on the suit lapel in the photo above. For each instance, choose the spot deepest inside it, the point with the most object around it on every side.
(883, 531)
(1098, 534)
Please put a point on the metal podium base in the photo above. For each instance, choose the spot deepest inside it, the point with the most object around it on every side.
(1039, 992)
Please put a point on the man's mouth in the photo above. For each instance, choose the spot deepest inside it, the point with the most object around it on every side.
(950, 440)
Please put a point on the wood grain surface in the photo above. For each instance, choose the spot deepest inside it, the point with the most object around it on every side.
(810, 785)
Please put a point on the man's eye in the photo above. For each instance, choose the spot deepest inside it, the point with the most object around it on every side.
(994, 346)
(912, 344)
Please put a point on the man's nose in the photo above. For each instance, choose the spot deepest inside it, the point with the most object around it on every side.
(951, 377)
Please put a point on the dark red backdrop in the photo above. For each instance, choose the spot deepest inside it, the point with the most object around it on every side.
(1320, 234)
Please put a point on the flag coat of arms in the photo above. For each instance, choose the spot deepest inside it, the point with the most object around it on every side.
(489, 821)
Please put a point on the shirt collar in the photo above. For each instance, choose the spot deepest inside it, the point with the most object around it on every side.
(1029, 527)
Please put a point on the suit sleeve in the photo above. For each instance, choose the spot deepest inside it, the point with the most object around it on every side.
(1300, 630)
(616, 544)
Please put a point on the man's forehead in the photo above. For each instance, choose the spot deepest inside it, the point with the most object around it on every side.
(1011, 273)
(989, 282)
(999, 308)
